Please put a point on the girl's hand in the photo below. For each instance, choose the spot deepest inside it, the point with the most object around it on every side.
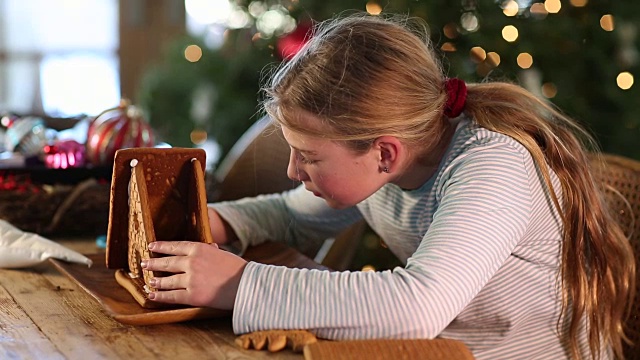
(203, 275)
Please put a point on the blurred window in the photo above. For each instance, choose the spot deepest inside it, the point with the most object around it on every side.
(59, 57)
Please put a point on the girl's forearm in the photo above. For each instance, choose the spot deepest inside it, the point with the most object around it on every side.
(221, 231)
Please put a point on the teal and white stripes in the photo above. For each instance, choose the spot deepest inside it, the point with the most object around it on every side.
(480, 241)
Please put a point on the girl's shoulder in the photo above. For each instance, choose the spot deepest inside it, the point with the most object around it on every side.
(471, 138)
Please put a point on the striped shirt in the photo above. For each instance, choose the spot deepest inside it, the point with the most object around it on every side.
(480, 242)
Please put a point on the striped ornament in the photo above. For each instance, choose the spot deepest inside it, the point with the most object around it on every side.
(121, 127)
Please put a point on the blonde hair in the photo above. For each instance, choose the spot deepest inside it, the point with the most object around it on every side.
(366, 76)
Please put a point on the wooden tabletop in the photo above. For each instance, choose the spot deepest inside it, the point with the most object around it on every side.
(46, 315)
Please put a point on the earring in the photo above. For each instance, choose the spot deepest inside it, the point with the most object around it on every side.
(385, 169)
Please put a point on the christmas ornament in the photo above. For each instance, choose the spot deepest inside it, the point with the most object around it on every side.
(118, 128)
(26, 136)
(64, 154)
(289, 44)
(8, 119)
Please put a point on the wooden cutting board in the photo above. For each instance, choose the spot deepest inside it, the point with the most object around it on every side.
(100, 283)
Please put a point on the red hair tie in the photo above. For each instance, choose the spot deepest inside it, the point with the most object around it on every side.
(456, 97)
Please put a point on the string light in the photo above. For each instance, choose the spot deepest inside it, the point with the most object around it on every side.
(368, 268)
(524, 60)
(448, 47)
(578, 3)
(553, 6)
(477, 54)
(538, 10)
(373, 8)
(625, 80)
(198, 136)
(193, 53)
(607, 23)
(493, 59)
(510, 33)
(549, 90)
(510, 8)
(450, 30)
(469, 21)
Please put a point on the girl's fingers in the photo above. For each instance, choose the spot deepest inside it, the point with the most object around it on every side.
(171, 282)
(172, 247)
(179, 296)
(174, 264)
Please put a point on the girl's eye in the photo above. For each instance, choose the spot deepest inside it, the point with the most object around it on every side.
(304, 160)
(301, 158)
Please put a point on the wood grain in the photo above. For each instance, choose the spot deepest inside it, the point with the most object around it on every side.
(383, 349)
(45, 315)
(18, 332)
(100, 283)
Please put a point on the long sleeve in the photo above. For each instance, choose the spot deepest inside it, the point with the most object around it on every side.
(296, 217)
(481, 210)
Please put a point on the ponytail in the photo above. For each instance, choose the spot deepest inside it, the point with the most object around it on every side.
(597, 265)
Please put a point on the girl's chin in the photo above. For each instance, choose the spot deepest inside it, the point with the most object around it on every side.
(331, 201)
(336, 205)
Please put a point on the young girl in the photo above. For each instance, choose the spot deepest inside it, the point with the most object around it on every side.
(483, 191)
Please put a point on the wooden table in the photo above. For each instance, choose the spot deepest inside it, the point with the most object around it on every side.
(46, 315)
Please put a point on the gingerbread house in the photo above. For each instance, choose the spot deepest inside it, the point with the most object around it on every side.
(156, 194)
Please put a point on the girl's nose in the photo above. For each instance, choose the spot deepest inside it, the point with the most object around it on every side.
(293, 171)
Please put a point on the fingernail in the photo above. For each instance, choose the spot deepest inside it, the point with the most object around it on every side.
(152, 246)
(151, 295)
(153, 282)
(144, 264)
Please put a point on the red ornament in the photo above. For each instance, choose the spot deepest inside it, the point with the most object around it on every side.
(114, 129)
(64, 154)
(289, 44)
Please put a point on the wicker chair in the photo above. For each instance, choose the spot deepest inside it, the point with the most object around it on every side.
(256, 164)
(620, 179)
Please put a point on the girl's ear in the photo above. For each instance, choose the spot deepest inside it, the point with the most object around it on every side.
(391, 150)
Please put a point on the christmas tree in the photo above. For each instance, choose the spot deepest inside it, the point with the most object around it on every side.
(580, 55)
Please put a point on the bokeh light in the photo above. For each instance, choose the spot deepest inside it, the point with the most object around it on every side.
(373, 8)
(607, 23)
(275, 21)
(208, 11)
(552, 6)
(510, 8)
(493, 59)
(538, 11)
(524, 60)
(477, 54)
(448, 47)
(450, 30)
(193, 53)
(549, 90)
(625, 80)
(469, 21)
(198, 136)
(510, 33)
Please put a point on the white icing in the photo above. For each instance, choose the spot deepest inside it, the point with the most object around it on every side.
(19, 249)
(133, 162)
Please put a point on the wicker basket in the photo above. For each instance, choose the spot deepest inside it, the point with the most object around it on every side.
(81, 209)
